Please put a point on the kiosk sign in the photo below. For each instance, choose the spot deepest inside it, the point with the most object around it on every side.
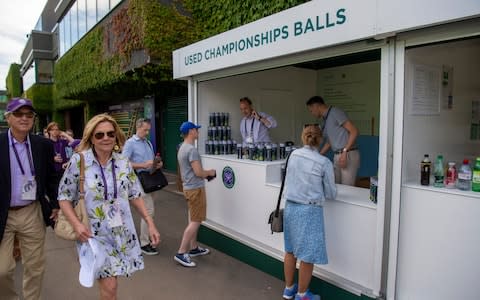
(228, 177)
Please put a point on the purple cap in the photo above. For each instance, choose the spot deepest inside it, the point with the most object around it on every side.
(16, 103)
(186, 126)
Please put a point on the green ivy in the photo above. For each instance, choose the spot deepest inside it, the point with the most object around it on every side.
(41, 96)
(214, 17)
(13, 81)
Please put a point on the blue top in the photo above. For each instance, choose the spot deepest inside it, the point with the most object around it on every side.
(310, 178)
(138, 150)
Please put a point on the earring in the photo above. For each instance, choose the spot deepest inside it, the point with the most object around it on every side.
(116, 148)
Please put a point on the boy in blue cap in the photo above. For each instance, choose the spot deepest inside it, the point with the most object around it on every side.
(193, 178)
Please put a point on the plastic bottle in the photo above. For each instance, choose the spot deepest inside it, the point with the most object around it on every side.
(476, 176)
(425, 169)
(439, 172)
(451, 177)
(464, 181)
(156, 161)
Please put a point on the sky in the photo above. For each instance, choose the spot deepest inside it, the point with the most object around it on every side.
(17, 19)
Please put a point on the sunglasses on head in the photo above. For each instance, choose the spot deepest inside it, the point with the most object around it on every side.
(19, 114)
(307, 125)
(101, 135)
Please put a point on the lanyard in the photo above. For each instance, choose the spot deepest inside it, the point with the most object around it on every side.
(251, 127)
(104, 179)
(32, 169)
(326, 117)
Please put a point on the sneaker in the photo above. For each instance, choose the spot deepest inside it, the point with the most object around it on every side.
(308, 296)
(290, 293)
(198, 251)
(149, 250)
(184, 260)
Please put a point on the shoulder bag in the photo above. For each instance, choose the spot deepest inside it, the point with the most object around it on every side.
(63, 228)
(152, 181)
(275, 218)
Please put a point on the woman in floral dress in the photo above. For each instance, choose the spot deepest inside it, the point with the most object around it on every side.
(110, 186)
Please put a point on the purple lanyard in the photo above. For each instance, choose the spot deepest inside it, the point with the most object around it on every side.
(32, 169)
(105, 191)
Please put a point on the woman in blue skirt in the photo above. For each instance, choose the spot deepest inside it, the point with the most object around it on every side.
(309, 181)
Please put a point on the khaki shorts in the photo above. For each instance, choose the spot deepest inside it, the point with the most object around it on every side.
(197, 204)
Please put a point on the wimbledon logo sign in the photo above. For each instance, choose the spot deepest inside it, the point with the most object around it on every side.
(228, 177)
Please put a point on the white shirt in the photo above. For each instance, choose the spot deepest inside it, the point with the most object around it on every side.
(256, 129)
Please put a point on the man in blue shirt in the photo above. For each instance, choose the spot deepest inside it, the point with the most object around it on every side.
(139, 151)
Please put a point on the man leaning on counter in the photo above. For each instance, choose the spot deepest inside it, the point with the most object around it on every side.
(341, 135)
(254, 125)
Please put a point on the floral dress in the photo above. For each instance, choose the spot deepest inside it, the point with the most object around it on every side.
(110, 217)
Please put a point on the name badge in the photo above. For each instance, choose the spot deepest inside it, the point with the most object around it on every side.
(29, 188)
(113, 214)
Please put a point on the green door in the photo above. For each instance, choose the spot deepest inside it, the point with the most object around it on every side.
(173, 116)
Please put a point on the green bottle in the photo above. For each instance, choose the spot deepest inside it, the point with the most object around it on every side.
(439, 172)
(476, 176)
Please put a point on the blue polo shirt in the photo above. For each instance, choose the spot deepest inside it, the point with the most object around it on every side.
(138, 150)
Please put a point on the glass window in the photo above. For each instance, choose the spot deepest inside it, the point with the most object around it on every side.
(114, 3)
(29, 77)
(61, 37)
(68, 35)
(44, 71)
(82, 18)
(91, 13)
(102, 8)
(74, 23)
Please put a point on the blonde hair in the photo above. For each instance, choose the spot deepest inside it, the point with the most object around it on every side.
(51, 125)
(312, 136)
(86, 143)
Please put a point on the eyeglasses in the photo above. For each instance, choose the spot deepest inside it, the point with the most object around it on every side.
(101, 135)
(19, 114)
(307, 125)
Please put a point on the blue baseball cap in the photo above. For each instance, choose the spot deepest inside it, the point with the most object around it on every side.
(16, 103)
(186, 126)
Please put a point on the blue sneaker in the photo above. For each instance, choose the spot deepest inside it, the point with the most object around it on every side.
(184, 260)
(290, 293)
(198, 251)
(308, 296)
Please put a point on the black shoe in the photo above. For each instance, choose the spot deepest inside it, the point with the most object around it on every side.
(149, 250)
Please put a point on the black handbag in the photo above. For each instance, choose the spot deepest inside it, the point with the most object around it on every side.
(152, 182)
(275, 219)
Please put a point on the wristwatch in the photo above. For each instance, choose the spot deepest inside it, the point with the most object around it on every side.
(344, 150)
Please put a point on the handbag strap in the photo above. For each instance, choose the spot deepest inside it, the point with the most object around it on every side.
(277, 210)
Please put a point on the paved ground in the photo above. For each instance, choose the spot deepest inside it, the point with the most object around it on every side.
(217, 276)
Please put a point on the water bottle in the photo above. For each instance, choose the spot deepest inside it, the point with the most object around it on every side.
(425, 169)
(476, 176)
(239, 151)
(274, 152)
(211, 119)
(451, 177)
(268, 156)
(439, 172)
(282, 151)
(464, 181)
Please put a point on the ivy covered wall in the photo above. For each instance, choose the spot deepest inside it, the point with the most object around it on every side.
(102, 66)
(213, 17)
(13, 82)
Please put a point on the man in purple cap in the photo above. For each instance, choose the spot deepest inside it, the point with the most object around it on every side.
(26, 177)
(193, 177)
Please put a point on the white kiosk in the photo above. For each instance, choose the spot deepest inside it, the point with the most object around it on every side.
(407, 73)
